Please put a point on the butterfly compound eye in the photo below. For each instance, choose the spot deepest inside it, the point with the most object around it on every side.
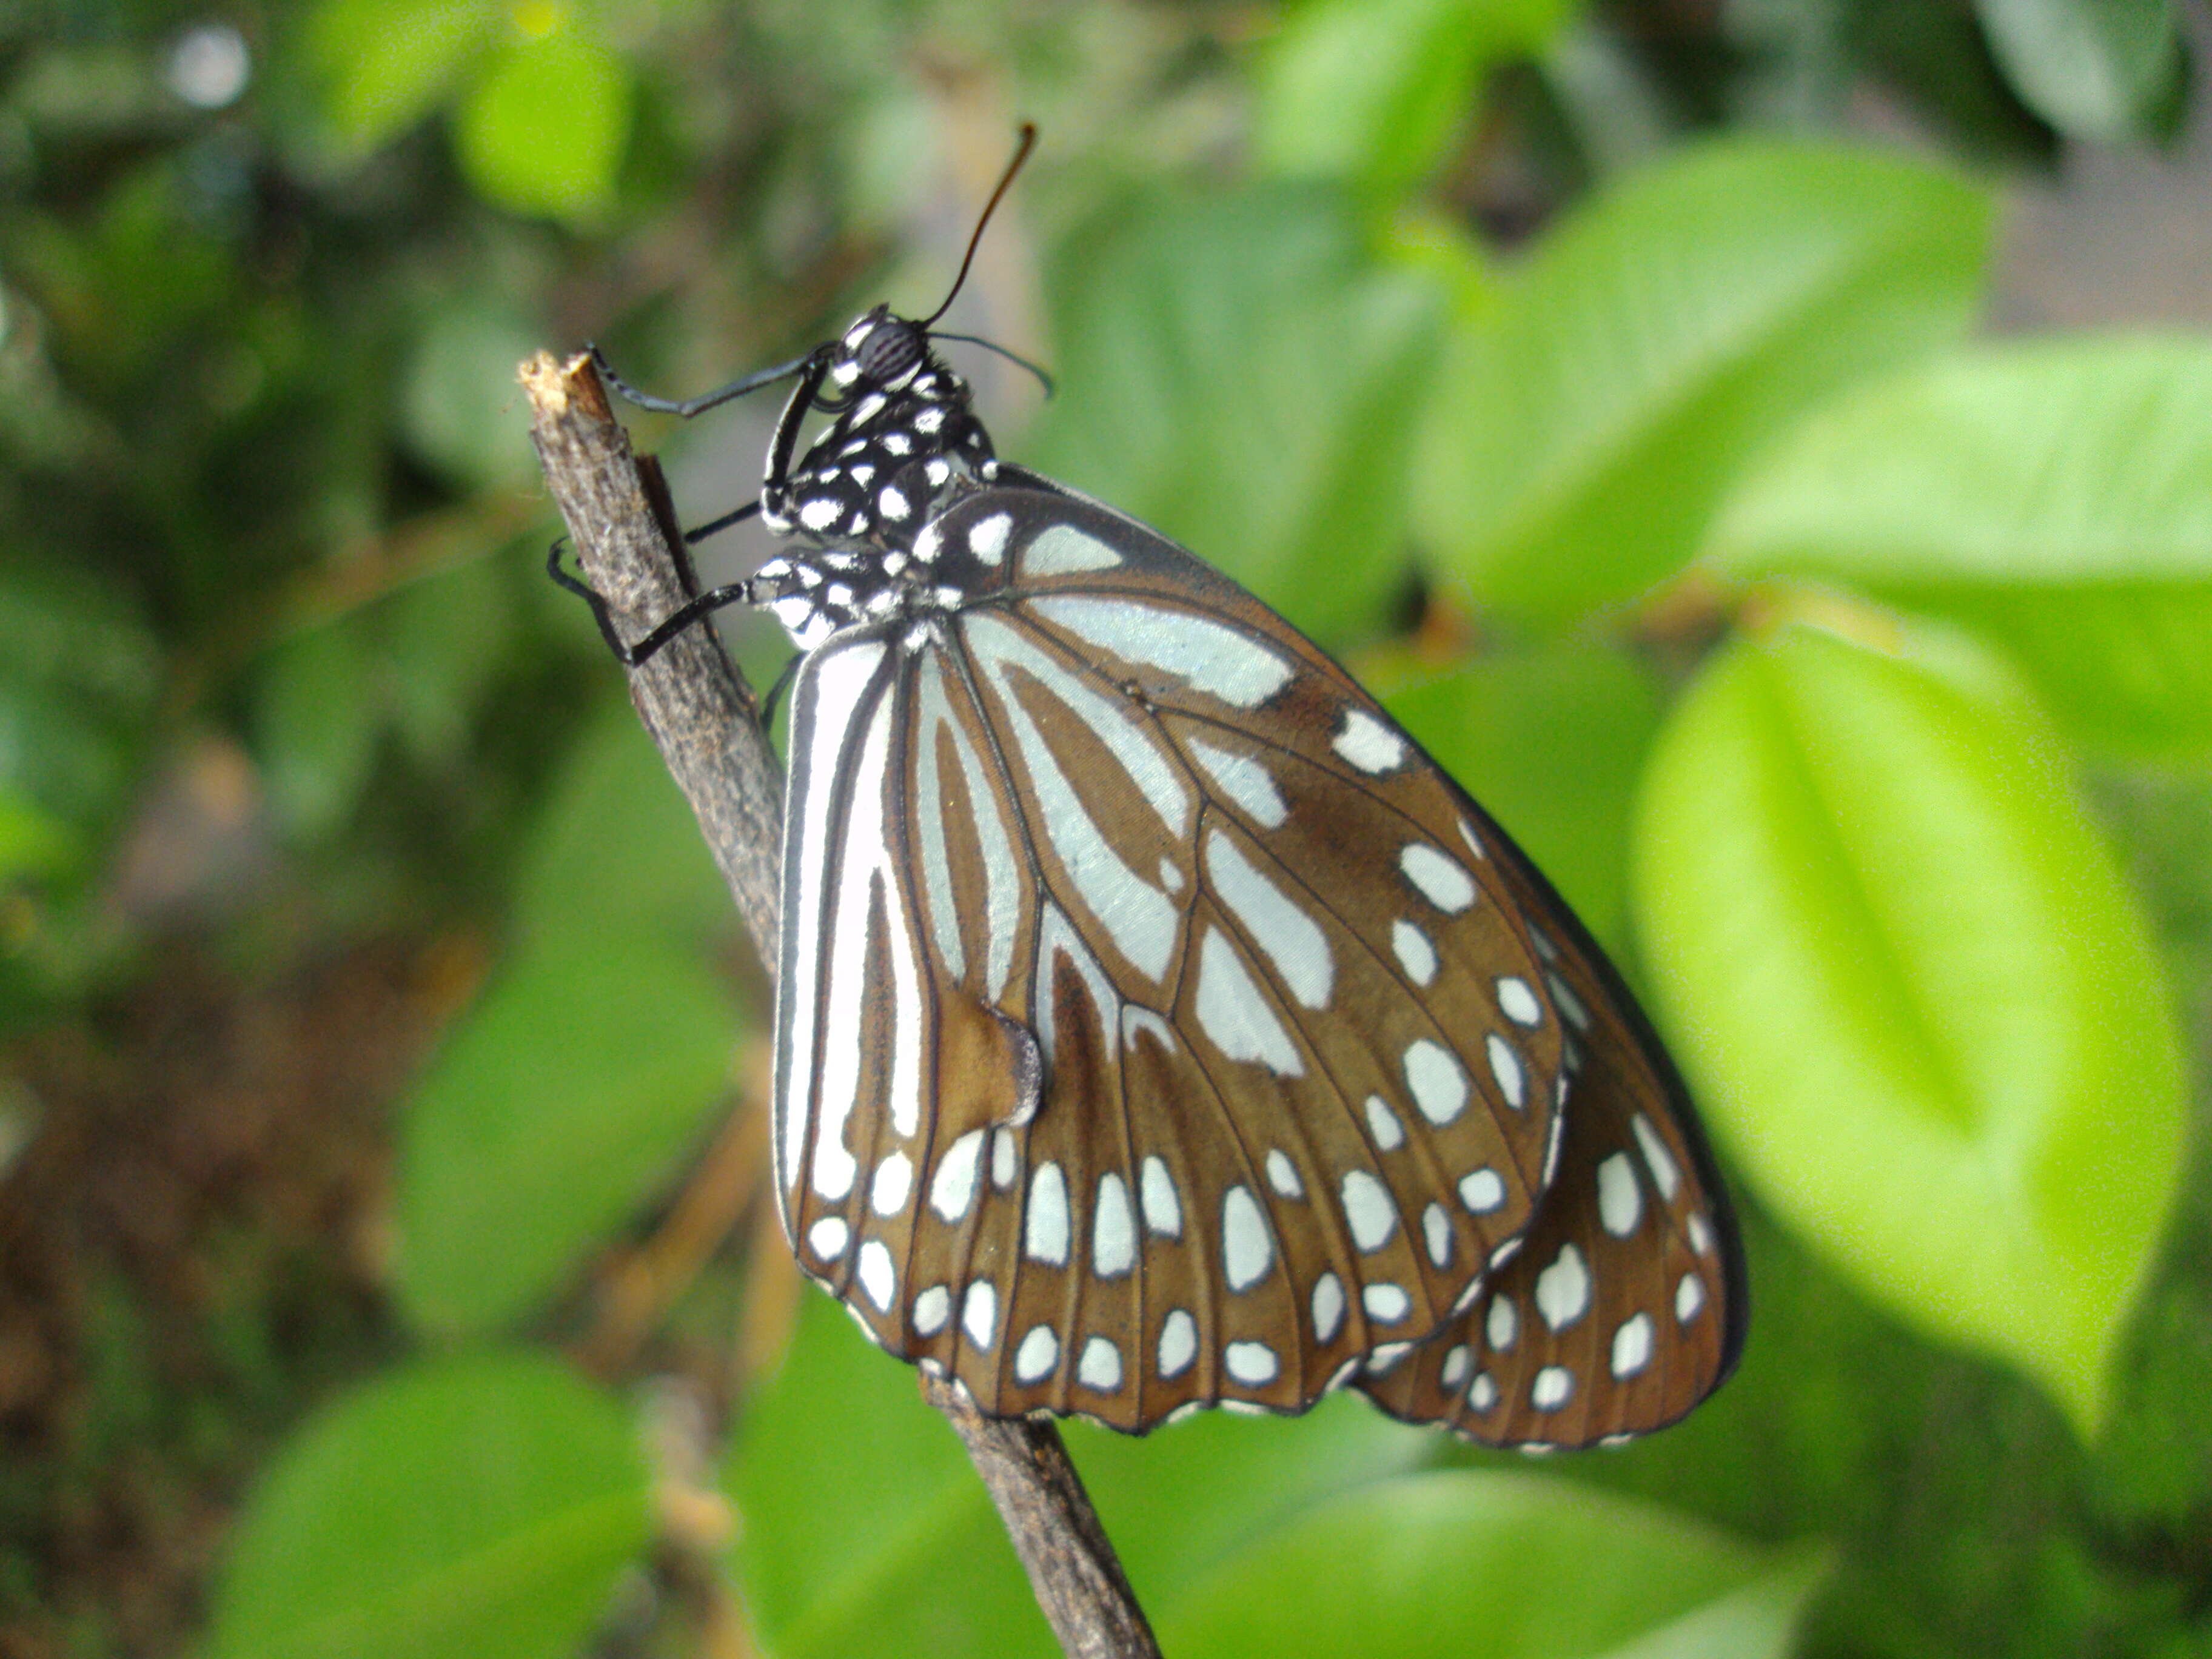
(888, 350)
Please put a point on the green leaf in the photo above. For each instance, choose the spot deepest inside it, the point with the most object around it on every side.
(78, 673)
(1372, 91)
(1919, 1006)
(481, 1508)
(886, 1542)
(1551, 739)
(1235, 372)
(1584, 430)
(543, 130)
(1502, 1565)
(317, 711)
(33, 843)
(445, 638)
(2096, 70)
(617, 850)
(866, 1541)
(458, 408)
(562, 1101)
(2058, 495)
(389, 63)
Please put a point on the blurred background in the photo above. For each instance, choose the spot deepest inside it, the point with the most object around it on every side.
(1763, 446)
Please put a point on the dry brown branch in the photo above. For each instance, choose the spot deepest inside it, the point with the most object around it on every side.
(702, 715)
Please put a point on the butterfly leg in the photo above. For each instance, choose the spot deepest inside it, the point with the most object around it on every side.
(635, 656)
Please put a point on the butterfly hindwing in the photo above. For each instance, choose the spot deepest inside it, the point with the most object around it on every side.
(1160, 1026)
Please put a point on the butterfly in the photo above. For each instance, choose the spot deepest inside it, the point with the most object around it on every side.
(1158, 1027)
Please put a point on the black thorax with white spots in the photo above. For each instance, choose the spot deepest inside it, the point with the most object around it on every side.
(902, 441)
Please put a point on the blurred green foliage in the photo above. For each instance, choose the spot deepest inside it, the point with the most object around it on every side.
(1588, 375)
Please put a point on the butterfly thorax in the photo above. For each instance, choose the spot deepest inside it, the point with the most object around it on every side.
(903, 439)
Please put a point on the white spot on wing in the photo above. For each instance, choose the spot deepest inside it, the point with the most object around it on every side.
(1483, 1191)
(1178, 1344)
(1664, 1175)
(1063, 550)
(828, 1237)
(1553, 1387)
(930, 1309)
(1208, 656)
(1157, 1191)
(1563, 1289)
(1388, 1302)
(876, 1276)
(979, 1313)
(952, 1189)
(1282, 1174)
(1233, 1014)
(1442, 881)
(1293, 941)
(1036, 1357)
(1502, 1325)
(1437, 1082)
(1506, 1068)
(1252, 1363)
(1619, 1199)
(1368, 743)
(1518, 1003)
(1632, 1346)
(1113, 1230)
(1689, 1297)
(1100, 1368)
(1247, 1251)
(1437, 1233)
(1245, 781)
(1415, 954)
(1045, 1226)
(893, 1185)
(1368, 1211)
(1327, 1308)
(1383, 1123)
(987, 538)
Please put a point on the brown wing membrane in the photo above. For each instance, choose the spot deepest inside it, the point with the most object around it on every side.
(1159, 1026)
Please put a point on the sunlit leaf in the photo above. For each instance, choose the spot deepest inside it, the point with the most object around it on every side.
(1504, 1565)
(1584, 430)
(1371, 91)
(543, 131)
(1913, 995)
(2095, 70)
(1235, 372)
(554, 1108)
(390, 61)
(482, 1508)
(2058, 495)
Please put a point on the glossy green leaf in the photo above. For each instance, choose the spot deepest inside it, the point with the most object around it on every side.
(543, 131)
(2058, 495)
(556, 1108)
(1235, 372)
(481, 1508)
(2096, 70)
(1551, 740)
(1372, 91)
(1443, 1566)
(1912, 992)
(883, 1542)
(389, 63)
(1583, 431)
(617, 850)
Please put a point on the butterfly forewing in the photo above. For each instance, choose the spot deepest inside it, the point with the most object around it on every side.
(1160, 1025)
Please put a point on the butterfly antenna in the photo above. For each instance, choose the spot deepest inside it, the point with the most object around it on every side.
(1015, 357)
(1005, 179)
